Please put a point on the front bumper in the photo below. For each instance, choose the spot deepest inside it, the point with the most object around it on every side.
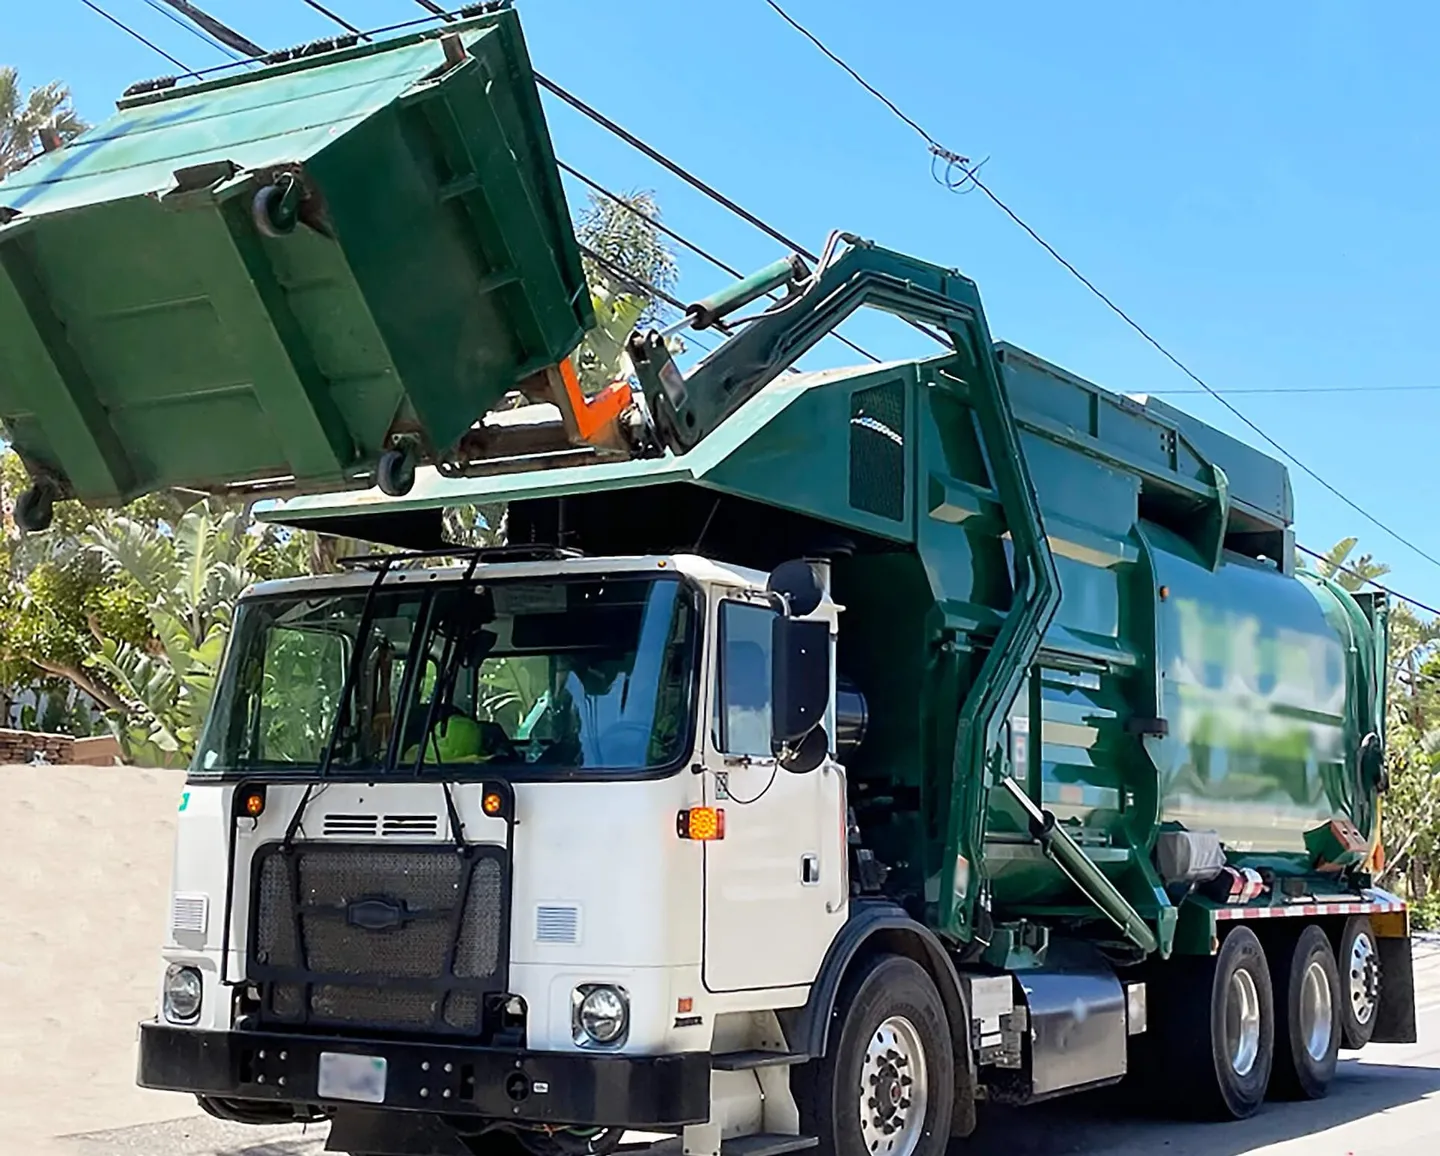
(573, 1088)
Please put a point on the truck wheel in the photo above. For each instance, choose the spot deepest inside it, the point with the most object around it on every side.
(1307, 995)
(1359, 963)
(886, 1086)
(1216, 1033)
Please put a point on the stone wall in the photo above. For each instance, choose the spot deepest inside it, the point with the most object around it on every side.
(20, 746)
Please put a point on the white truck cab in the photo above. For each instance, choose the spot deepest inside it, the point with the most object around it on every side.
(505, 840)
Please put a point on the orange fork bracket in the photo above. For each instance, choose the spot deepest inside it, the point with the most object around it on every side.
(592, 419)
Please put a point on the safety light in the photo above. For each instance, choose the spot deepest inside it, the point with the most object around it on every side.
(491, 803)
(250, 802)
(701, 823)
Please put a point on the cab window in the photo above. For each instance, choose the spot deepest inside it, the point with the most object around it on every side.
(742, 699)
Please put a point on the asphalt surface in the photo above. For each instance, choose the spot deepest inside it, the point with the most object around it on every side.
(84, 858)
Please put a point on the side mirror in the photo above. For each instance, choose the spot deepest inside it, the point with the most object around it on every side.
(800, 692)
(799, 585)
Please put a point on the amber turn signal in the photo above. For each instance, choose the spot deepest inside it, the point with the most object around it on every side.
(491, 803)
(701, 823)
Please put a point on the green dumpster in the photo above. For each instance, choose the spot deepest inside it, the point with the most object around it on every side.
(292, 279)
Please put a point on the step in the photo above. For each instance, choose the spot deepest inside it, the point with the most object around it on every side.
(748, 1061)
(767, 1144)
(762, 1144)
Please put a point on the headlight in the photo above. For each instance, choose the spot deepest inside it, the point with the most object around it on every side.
(183, 991)
(601, 1014)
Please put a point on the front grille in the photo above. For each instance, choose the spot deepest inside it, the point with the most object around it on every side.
(348, 936)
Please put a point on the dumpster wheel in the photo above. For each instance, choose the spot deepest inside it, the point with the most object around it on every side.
(35, 508)
(275, 208)
(395, 473)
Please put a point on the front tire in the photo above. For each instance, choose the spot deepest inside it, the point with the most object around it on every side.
(1307, 997)
(886, 1086)
(1359, 965)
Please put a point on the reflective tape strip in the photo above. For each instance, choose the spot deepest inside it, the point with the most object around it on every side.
(1382, 903)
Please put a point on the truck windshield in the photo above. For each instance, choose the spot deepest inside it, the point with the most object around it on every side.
(538, 677)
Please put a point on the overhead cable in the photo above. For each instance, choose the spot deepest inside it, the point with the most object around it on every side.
(972, 175)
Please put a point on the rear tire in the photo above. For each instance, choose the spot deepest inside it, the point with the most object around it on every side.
(1215, 1035)
(886, 1086)
(1359, 965)
(1307, 1000)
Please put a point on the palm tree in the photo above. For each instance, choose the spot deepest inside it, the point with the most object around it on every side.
(1352, 575)
(25, 124)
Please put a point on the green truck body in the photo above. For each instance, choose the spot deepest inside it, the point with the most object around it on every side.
(1264, 680)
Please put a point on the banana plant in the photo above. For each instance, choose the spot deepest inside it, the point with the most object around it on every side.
(193, 573)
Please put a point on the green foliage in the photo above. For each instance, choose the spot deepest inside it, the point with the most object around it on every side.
(624, 239)
(191, 572)
(24, 119)
(1410, 810)
(304, 674)
(1425, 914)
(1351, 575)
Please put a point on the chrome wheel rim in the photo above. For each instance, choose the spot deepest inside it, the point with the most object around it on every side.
(1242, 1022)
(1317, 1012)
(894, 1092)
(1364, 976)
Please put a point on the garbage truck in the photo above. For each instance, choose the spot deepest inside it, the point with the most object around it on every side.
(818, 756)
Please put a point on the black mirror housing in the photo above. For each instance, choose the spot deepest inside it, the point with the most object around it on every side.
(800, 679)
(800, 586)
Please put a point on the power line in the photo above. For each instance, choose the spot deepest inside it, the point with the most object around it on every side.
(655, 222)
(216, 28)
(1367, 579)
(666, 163)
(1301, 389)
(365, 34)
(639, 284)
(208, 41)
(340, 20)
(120, 24)
(696, 183)
(971, 173)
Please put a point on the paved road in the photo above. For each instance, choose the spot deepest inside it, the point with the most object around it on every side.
(80, 919)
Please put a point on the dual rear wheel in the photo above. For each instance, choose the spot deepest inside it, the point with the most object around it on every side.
(1273, 1023)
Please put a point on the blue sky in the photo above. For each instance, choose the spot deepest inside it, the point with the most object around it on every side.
(1255, 183)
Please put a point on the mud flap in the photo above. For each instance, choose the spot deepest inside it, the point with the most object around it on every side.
(1395, 1017)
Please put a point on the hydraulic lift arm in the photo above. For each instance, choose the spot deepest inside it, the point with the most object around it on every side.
(852, 273)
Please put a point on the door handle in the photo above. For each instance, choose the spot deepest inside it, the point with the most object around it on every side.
(809, 870)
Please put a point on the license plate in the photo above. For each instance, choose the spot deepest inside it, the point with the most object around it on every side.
(345, 1076)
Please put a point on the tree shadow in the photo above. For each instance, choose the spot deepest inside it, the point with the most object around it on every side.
(1116, 1125)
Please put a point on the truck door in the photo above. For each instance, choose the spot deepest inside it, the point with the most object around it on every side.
(775, 884)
